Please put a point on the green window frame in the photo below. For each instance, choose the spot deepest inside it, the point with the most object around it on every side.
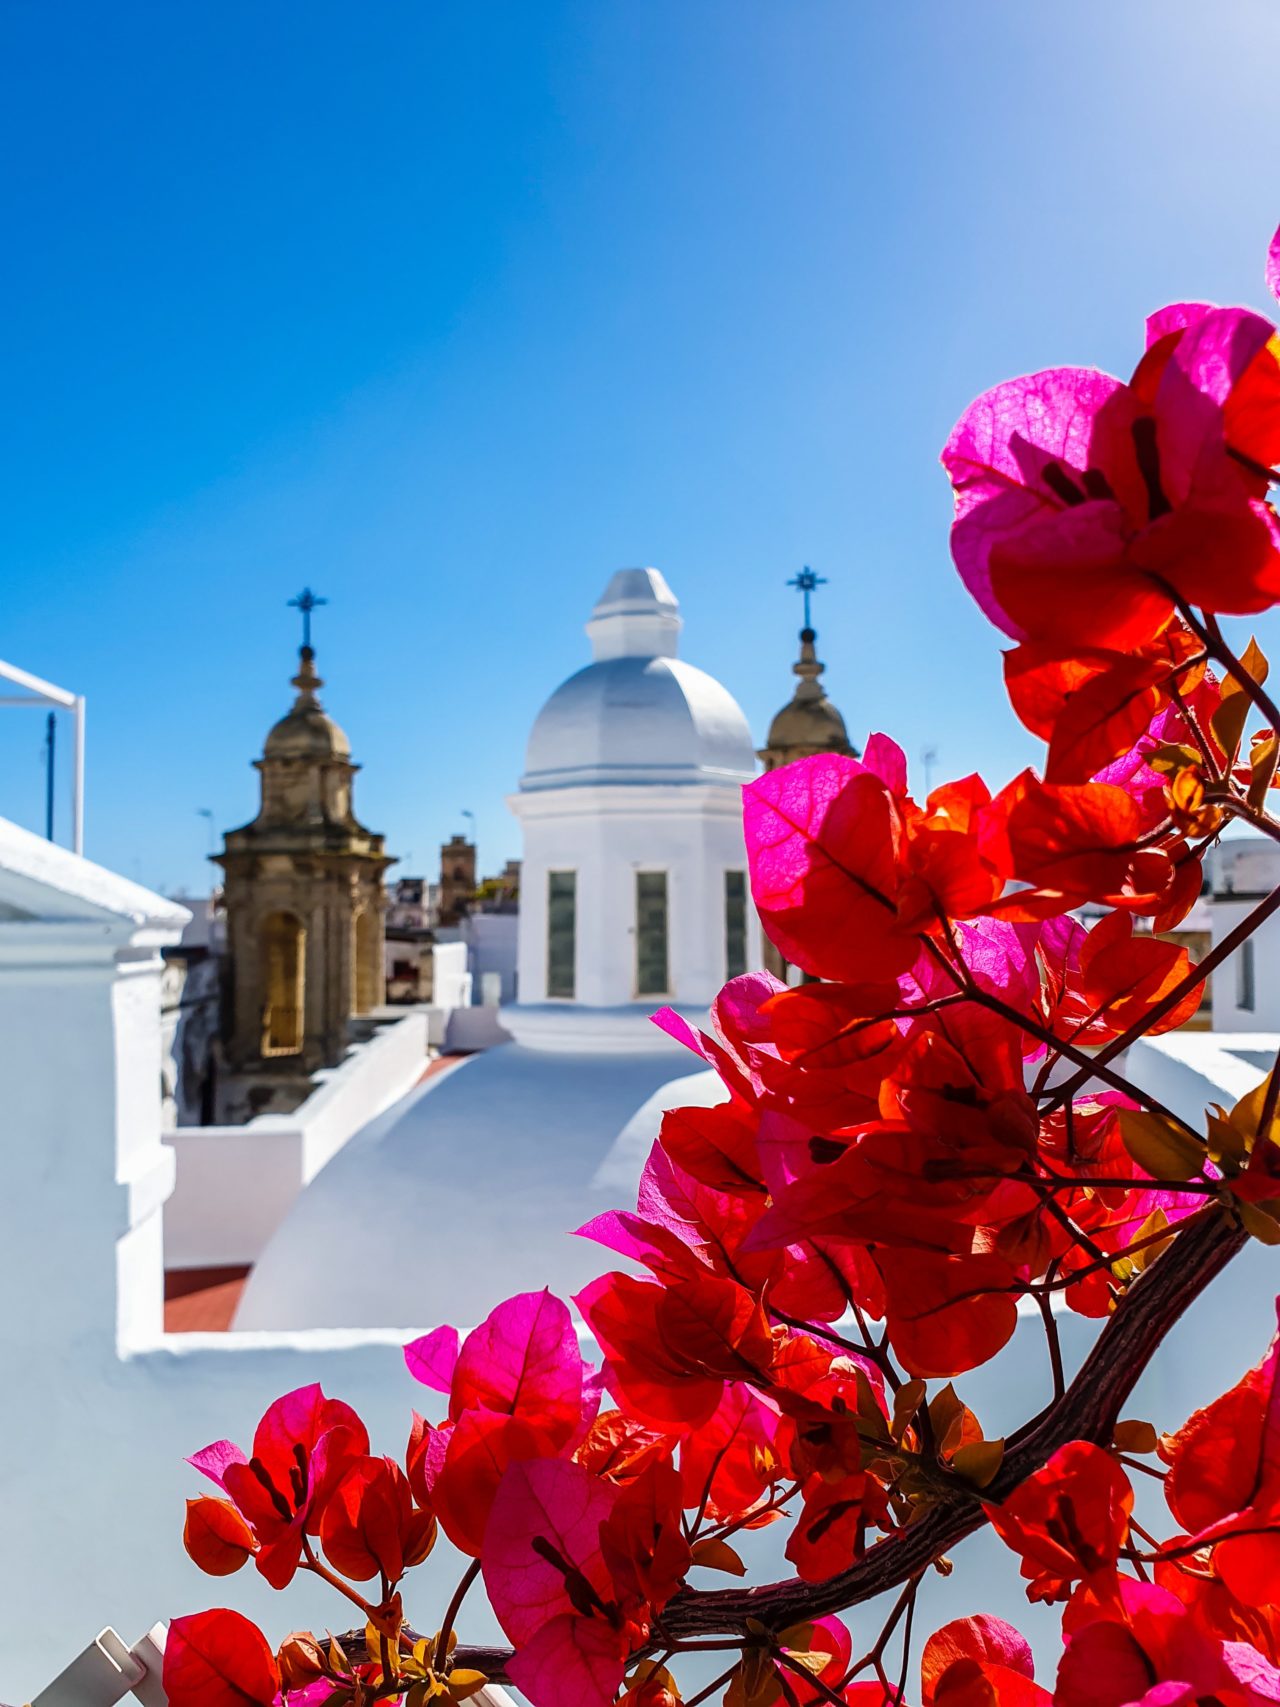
(652, 968)
(735, 923)
(562, 933)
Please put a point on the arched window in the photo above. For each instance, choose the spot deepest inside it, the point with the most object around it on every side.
(365, 966)
(284, 954)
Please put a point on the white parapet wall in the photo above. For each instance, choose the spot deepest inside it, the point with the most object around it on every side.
(109, 1670)
(450, 977)
(1189, 1070)
(235, 1184)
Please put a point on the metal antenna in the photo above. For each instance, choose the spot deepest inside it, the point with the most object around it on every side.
(50, 735)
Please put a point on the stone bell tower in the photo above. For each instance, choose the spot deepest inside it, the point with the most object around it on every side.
(807, 725)
(304, 897)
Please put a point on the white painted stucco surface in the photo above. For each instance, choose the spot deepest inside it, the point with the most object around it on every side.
(235, 1184)
(1189, 1070)
(513, 1141)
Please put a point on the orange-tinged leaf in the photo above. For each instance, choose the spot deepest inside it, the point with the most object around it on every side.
(979, 1462)
(1260, 1221)
(1246, 1116)
(754, 1682)
(464, 1682)
(1232, 714)
(1255, 661)
(906, 1402)
(716, 1555)
(1144, 1247)
(300, 1660)
(954, 1425)
(1263, 754)
(1133, 1435)
(1160, 1148)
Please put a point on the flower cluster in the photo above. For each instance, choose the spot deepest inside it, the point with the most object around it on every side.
(922, 1133)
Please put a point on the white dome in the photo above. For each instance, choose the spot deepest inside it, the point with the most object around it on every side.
(638, 713)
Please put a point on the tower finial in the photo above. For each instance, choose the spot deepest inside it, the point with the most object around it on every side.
(306, 602)
(805, 582)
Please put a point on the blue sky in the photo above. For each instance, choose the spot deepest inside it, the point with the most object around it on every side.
(451, 309)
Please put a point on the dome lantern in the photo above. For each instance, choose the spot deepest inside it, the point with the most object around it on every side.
(637, 616)
(306, 731)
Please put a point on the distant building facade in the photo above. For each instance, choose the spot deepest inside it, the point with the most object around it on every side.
(409, 941)
(1243, 871)
(457, 880)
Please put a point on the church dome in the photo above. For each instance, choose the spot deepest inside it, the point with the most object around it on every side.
(307, 732)
(809, 723)
(638, 714)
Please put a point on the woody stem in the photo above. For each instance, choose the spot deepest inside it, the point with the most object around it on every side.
(1095, 1065)
(1197, 975)
(451, 1611)
(1214, 642)
(812, 1681)
(333, 1579)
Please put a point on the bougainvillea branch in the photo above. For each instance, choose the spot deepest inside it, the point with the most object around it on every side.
(1088, 1410)
(1192, 979)
(933, 1133)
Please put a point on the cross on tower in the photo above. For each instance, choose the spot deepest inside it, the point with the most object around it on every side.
(805, 582)
(306, 602)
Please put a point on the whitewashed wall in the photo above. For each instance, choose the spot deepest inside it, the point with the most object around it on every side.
(235, 1184)
(1243, 870)
(451, 980)
(491, 940)
(607, 834)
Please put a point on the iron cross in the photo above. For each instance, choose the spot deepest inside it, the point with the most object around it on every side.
(306, 602)
(805, 582)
